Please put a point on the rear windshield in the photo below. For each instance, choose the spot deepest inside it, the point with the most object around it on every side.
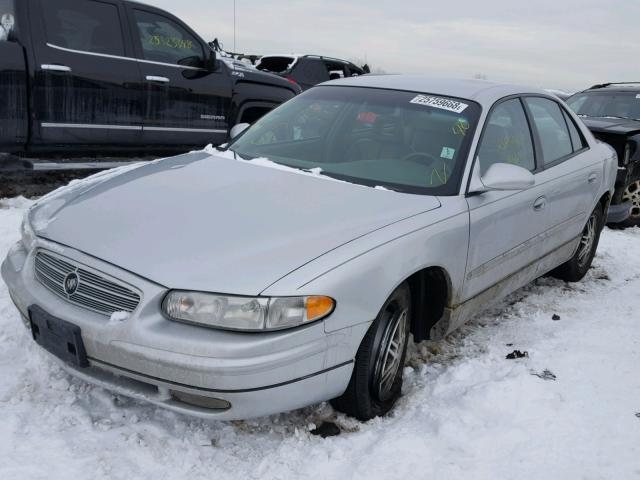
(404, 141)
(8, 30)
(606, 104)
(275, 64)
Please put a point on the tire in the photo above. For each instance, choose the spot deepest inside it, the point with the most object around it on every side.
(631, 194)
(376, 381)
(577, 267)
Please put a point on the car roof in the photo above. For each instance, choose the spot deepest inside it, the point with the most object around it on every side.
(482, 91)
(616, 87)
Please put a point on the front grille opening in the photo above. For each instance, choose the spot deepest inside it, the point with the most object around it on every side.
(94, 292)
(200, 401)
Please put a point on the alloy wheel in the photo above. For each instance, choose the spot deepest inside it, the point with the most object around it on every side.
(632, 194)
(587, 240)
(389, 360)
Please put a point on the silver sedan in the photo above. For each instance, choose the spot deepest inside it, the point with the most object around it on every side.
(292, 266)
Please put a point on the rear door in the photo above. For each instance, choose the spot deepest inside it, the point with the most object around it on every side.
(13, 80)
(571, 174)
(86, 84)
(184, 102)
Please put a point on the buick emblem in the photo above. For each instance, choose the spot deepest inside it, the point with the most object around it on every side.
(70, 283)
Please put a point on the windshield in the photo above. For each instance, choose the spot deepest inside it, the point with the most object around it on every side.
(606, 104)
(404, 141)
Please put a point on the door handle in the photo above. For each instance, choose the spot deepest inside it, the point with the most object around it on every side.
(592, 178)
(55, 68)
(540, 204)
(154, 78)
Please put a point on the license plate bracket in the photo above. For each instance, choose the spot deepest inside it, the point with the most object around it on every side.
(59, 337)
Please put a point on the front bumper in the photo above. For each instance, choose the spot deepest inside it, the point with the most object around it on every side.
(163, 362)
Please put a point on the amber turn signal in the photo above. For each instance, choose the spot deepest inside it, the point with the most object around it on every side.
(319, 307)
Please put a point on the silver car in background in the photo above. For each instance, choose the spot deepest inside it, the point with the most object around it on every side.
(293, 266)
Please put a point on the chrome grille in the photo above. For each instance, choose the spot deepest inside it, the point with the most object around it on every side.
(94, 291)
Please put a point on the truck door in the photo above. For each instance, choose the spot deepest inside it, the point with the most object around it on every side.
(86, 77)
(184, 102)
(13, 82)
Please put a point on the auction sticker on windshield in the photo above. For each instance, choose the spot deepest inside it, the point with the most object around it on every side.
(441, 103)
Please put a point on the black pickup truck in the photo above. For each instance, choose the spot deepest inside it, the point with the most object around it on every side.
(104, 77)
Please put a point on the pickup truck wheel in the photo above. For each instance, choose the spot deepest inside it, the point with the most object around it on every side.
(376, 381)
(578, 266)
(631, 194)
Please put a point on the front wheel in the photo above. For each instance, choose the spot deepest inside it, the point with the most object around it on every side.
(376, 381)
(577, 267)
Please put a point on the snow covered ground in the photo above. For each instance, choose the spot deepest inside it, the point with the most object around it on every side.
(467, 412)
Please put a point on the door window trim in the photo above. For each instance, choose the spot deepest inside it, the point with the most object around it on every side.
(560, 160)
(118, 57)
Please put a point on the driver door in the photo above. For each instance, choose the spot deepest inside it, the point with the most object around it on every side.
(183, 102)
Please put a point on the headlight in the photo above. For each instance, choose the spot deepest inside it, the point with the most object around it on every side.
(28, 235)
(246, 313)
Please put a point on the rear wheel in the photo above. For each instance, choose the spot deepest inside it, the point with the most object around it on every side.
(578, 266)
(376, 381)
(631, 194)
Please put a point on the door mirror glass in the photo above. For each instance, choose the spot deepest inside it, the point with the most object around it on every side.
(238, 129)
(211, 62)
(504, 177)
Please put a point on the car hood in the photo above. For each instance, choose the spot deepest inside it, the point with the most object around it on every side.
(212, 223)
(612, 125)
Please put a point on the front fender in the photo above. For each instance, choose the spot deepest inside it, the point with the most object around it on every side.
(361, 275)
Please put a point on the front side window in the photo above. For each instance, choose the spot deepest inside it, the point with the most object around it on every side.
(88, 26)
(165, 41)
(8, 30)
(552, 129)
(405, 141)
(606, 104)
(507, 138)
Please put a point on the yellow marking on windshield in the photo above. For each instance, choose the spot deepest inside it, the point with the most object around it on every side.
(460, 128)
(443, 178)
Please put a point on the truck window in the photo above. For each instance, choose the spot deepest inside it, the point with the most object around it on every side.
(7, 21)
(88, 26)
(165, 41)
(275, 64)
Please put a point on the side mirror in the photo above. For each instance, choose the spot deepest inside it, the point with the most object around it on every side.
(501, 177)
(211, 63)
(238, 129)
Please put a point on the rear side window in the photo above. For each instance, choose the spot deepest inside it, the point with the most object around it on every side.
(577, 140)
(166, 41)
(313, 71)
(89, 26)
(552, 129)
(507, 138)
(8, 30)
